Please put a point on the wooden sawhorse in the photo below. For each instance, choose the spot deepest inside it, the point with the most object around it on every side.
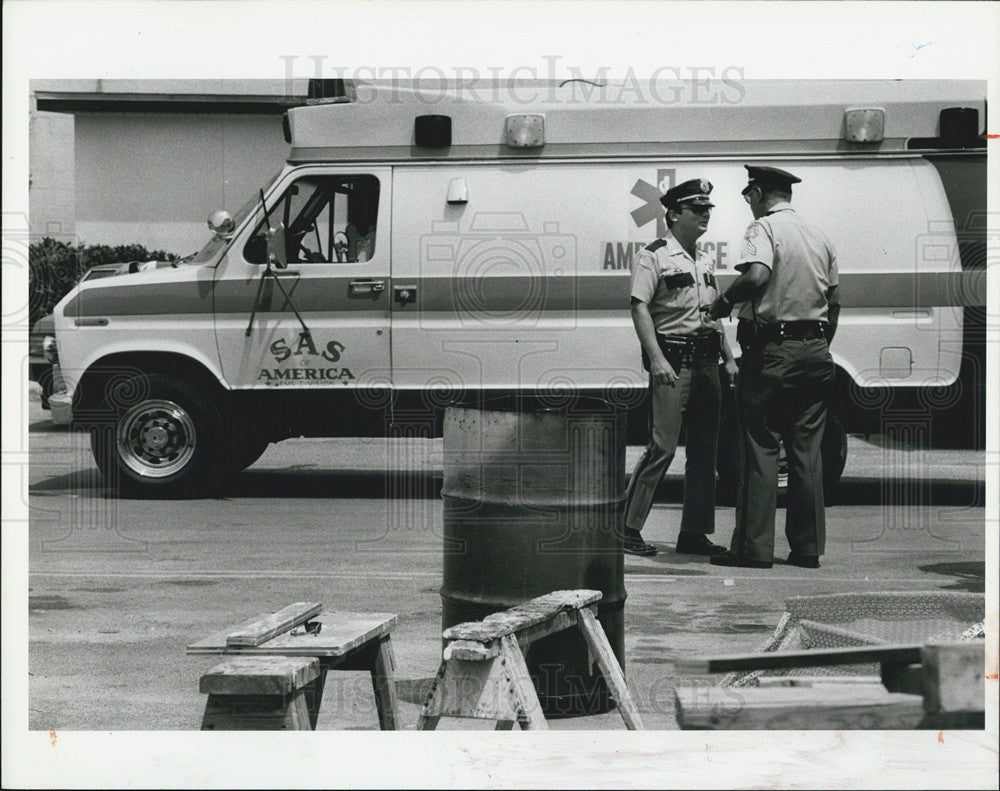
(483, 674)
(242, 689)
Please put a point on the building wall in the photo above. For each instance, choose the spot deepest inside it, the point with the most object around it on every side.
(51, 190)
(154, 178)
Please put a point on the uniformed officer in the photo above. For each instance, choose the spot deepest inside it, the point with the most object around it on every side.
(672, 283)
(788, 288)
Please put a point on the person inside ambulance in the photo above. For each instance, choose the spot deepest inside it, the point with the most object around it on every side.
(360, 231)
(329, 219)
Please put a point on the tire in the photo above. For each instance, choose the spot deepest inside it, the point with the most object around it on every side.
(47, 384)
(728, 455)
(834, 451)
(245, 451)
(162, 437)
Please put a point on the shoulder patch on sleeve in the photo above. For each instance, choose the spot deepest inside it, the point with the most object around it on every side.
(654, 246)
(749, 248)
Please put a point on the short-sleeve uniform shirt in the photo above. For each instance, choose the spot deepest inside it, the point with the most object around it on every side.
(674, 286)
(803, 267)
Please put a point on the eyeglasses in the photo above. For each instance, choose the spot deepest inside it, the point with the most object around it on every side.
(699, 210)
(747, 190)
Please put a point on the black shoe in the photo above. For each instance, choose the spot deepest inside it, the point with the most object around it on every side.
(805, 561)
(697, 544)
(634, 545)
(729, 559)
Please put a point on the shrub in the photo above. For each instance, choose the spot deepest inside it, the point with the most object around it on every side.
(55, 267)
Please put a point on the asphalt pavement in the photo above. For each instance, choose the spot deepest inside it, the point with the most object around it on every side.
(118, 588)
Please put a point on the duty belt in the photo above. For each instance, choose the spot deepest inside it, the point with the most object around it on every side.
(791, 330)
(684, 348)
(752, 335)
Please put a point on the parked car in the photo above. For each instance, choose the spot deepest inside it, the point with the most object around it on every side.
(42, 359)
(42, 334)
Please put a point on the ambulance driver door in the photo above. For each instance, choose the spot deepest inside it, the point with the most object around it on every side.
(322, 319)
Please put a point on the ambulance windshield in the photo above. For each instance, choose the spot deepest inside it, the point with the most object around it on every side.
(216, 243)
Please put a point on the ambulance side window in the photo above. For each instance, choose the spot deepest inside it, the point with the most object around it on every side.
(327, 219)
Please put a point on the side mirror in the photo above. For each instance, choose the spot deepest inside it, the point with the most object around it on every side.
(276, 250)
(221, 224)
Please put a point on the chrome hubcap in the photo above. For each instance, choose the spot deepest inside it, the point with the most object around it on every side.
(156, 438)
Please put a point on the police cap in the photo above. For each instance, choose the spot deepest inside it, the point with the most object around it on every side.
(695, 191)
(769, 178)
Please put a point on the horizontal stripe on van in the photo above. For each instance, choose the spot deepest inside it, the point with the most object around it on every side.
(509, 294)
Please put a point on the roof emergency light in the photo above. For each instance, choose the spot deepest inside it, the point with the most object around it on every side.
(864, 125)
(525, 131)
(959, 126)
(330, 91)
(432, 131)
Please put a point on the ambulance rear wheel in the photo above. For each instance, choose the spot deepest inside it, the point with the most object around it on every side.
(161, 437)
(834, 450)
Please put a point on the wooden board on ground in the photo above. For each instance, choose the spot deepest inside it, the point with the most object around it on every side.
(785, 660)
(823, 707)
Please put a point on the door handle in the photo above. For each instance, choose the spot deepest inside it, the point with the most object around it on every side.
(365, 289)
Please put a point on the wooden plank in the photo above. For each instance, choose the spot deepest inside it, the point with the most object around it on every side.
(530, 717)
(826, 707)
(384, 683)
(954, 677)
(259, 675)
(608, 663)
(564, 620)
(262, 630)
(784, 660)
(341, 633)
(816, 681)
(215, 643)
(523, 616)
(470, 651)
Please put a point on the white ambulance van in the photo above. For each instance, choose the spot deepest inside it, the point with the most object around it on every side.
(421, 247)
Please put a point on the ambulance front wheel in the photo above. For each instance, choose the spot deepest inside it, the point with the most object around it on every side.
(243, 451)
(162, 437)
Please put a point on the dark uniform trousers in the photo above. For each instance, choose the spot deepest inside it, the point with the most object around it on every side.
(782, 394)
(695, 397)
